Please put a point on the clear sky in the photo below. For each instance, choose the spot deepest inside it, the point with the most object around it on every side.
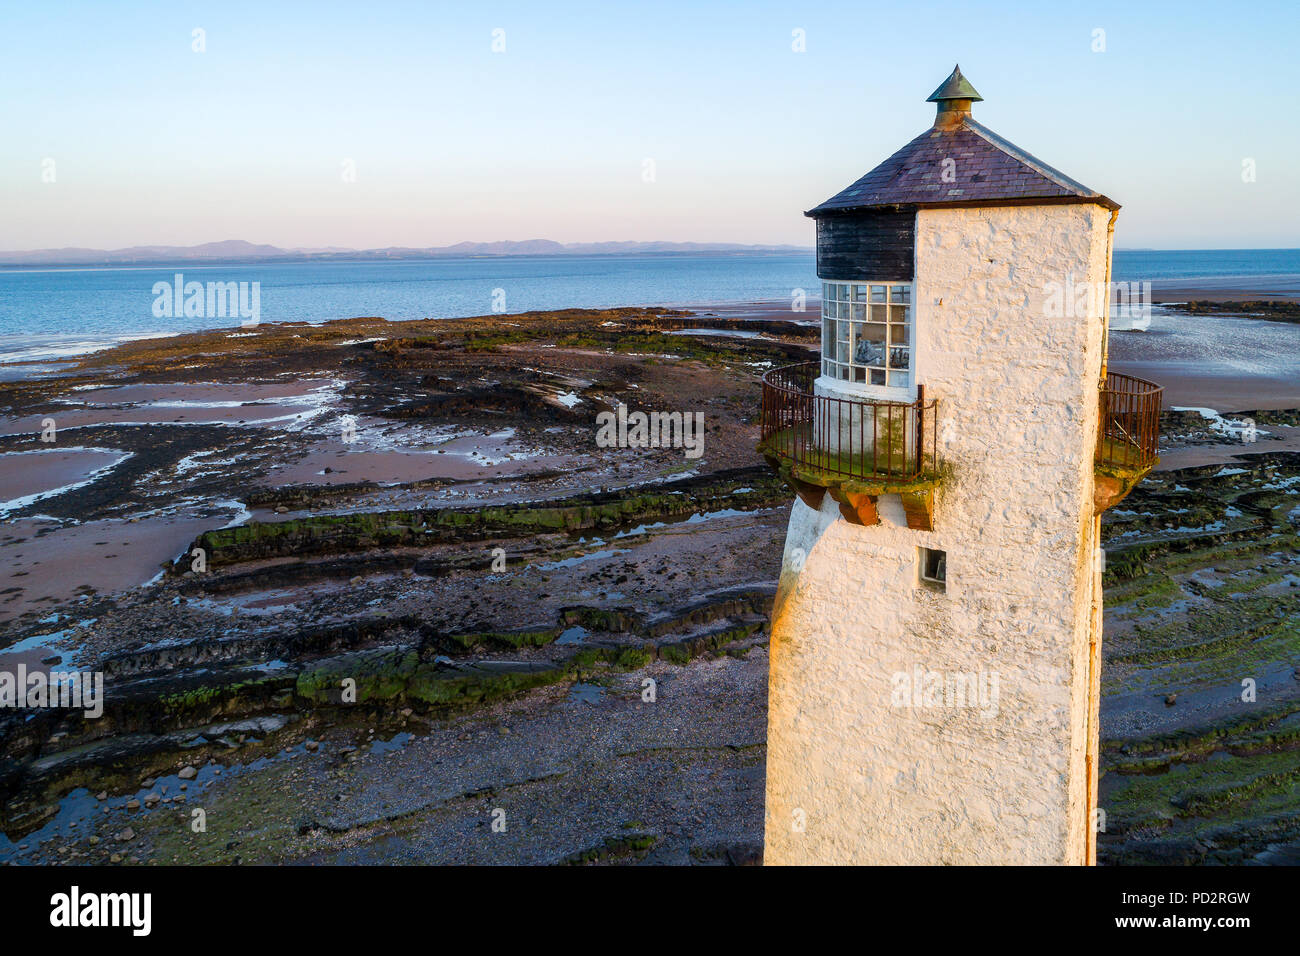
(154, 143)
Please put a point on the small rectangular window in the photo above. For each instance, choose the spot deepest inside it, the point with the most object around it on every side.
(934, 568)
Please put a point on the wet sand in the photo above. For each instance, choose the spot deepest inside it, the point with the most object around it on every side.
(1226, 289)
(1224, 391)
(1225, 363)
(43, 564)
(465, 458)
(229, 403)
(35, 473)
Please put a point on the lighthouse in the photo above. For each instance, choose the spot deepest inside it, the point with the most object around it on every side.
(935, 642)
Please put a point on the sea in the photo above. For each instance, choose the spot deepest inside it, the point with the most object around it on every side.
(49, 313)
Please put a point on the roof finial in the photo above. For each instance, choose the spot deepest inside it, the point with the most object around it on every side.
(954, 97)
(956, 87)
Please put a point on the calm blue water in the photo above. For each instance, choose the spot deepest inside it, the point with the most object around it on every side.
(1204, 265)
(50, 312)
(46, 313)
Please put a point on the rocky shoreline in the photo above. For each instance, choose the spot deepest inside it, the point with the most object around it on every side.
(369, 592)
(352, 624)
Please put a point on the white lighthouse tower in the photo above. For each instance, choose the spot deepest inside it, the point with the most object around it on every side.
(935, 643)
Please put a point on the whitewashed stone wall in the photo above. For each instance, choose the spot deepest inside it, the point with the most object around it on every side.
(853, 778)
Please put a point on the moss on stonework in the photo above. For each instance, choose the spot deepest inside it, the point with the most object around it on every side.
(319, 534)
(511, 639)
(401, 675)
(873, 487)
(634, 845)
(1202, 789)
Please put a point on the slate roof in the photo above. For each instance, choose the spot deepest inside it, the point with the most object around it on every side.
(986, 170)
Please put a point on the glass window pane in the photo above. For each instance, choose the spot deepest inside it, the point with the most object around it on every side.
(828, 339)
(898, 313)
(879, 313)
(898, 335)
(877, 293)
(870, 345)
(859, 312)
(859, 375)
(844, 352)
(899, 358)
(843, 331)
(896, 293)
(844, 372)
(859, 293)
(877, 376)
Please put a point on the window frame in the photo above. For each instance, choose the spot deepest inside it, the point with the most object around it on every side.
(923, 555)
(851, 308)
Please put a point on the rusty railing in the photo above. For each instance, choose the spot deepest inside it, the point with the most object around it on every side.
(843, 437)
(1129, 436)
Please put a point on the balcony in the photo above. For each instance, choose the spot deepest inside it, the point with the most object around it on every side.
(856, 449)
(1128, 440)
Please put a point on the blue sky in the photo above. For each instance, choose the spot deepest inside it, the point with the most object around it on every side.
(152, 142)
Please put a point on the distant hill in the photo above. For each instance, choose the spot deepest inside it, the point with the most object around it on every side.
(239, 250)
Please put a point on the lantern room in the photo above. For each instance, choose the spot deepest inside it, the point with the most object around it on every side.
(863, 417)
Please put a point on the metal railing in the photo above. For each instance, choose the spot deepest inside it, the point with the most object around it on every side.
(1129, 436)
(845, 437)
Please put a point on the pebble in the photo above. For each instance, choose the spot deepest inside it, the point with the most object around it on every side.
(188, 773)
